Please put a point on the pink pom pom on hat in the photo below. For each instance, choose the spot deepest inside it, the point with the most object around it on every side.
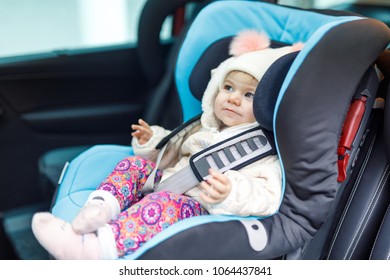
(252, 53)
(248, 41)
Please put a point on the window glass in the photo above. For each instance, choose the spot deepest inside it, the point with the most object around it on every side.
(36, 26)
(323, 4)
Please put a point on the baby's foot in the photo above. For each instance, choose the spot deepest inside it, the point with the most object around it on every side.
(61, 241)
(94, 215)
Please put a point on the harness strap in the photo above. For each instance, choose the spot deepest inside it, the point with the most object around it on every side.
(231, 154)
(179, 132)
(173, 137)
(149, 184)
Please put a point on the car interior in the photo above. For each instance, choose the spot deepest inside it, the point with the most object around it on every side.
(64, 105)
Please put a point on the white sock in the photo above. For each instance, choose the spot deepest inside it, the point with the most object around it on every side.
(100, 208)
(62, 242)
(111, 201)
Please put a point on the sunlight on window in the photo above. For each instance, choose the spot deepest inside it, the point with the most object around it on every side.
(328, 3)
(103, 22)
(38, 26)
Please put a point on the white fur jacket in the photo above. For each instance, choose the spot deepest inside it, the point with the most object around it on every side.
(256, 188)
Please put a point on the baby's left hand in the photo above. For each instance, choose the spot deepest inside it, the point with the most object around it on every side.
(216, 188)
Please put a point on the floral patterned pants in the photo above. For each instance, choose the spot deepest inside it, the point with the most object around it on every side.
(143, 217)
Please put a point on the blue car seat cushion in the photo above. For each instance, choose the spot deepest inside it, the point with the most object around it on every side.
(76, 187)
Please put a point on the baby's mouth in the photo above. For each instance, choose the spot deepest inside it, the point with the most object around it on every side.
(231, 111)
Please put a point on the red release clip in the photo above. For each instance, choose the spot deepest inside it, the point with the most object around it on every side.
(350, 128)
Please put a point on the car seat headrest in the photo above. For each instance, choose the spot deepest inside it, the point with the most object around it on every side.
(210, 59)
(267, 90)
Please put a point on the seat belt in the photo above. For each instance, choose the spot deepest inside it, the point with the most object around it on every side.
(177, 134)
(231, 154)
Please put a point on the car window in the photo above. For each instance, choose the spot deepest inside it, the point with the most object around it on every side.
(323, 4)
(38, 26)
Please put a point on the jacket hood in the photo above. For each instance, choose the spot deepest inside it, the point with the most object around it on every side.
(253, 63)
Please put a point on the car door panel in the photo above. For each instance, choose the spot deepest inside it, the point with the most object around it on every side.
(63, 99)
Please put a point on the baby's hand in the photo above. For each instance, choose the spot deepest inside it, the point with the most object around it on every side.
(216, 188)
(142, 131)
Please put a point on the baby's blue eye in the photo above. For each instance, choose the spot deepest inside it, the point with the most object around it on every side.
(249, 95)
(228, 88)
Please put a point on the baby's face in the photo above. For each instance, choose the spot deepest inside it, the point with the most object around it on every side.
(234, 102)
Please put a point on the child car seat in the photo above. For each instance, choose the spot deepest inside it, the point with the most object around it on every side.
(307, 115)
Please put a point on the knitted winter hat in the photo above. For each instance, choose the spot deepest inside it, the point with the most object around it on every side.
(252, 55)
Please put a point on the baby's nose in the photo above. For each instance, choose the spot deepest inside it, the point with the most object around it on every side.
(235, 97)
